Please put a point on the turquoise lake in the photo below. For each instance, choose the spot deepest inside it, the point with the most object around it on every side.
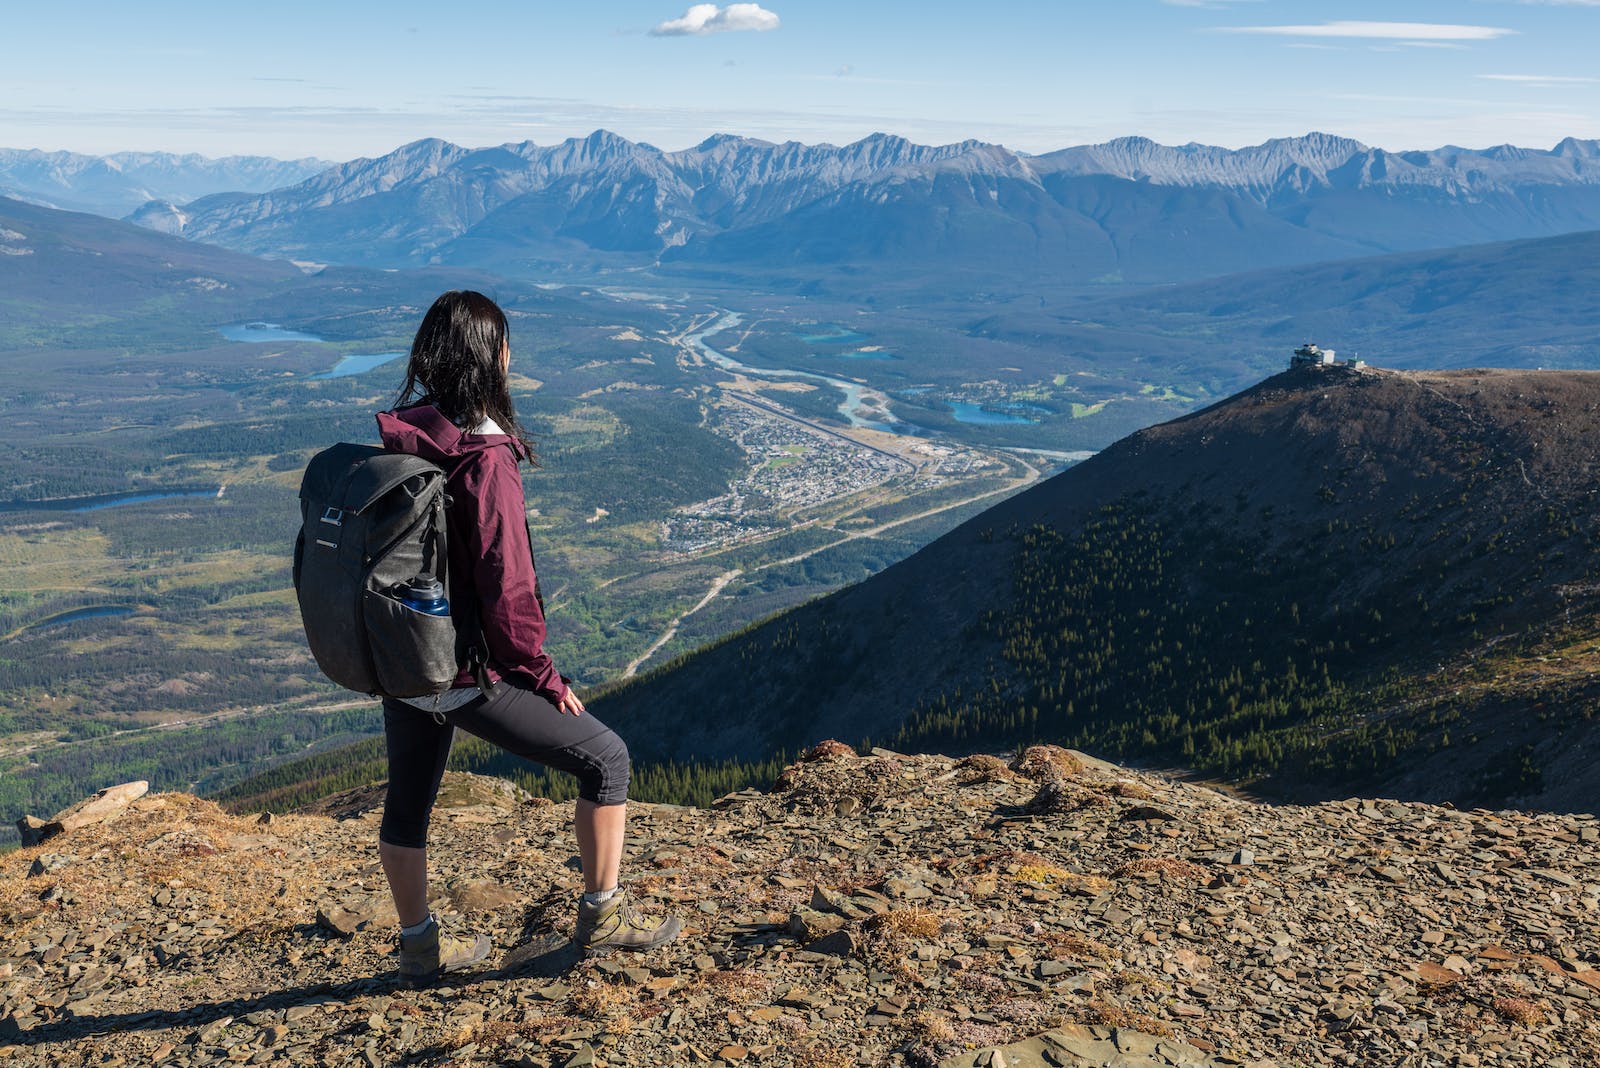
(355, 364)
(358, 365)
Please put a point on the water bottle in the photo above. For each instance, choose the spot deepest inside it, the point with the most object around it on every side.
(425, 594)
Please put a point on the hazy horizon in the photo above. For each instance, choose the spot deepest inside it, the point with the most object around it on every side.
(1542, 147)
(358, 79)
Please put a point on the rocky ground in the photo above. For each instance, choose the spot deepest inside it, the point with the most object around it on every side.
(879, 910)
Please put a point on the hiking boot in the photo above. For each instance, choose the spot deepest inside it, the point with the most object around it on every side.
(429, 954)
(615, 924)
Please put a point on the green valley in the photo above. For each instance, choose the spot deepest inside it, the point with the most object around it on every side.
(149, 471)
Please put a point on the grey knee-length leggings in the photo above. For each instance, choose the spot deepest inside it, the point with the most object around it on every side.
(518, 721)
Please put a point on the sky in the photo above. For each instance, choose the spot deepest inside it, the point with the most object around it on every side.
(339, 79)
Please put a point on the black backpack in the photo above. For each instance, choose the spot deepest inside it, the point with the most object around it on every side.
(372, 522)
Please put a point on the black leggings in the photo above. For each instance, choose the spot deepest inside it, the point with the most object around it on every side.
(518, 721)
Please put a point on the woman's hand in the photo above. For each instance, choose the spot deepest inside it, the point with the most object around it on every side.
(570, 703)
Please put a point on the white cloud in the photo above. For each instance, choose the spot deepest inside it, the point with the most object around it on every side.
(1386, 31)
(702, 19)
(1541, 80)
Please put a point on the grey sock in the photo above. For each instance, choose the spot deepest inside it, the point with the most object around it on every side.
(417, 928)
(596, 896)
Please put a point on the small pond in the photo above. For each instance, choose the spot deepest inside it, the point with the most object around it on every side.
(993, 414)
(354, 364)
(834, 335)
(99, 611)
(261, 333)
(358, 365)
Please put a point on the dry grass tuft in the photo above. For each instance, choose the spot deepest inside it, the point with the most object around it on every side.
(981, 768)
(536, 1028)
(624, 1023)
(493, 1034)
(935, 1026)
(826, 750)
(1131, 790)
(1109, 1015)
(1074, 946)
(742, 987)
(596, 999)
(1047, 763)
(824, 777)
(1048, 875)
(1058, 796)
(822, 1055)
(1519, 1011)
(900, 924)
(1133, 978)
(1166, 867)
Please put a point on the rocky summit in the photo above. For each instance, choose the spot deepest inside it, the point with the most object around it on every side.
(868, 910)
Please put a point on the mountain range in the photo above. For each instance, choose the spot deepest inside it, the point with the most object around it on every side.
(117, 184)
(1356, 490)
(1129, 210)
(1334, 580)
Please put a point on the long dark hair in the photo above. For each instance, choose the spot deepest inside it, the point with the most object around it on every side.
(455, 364)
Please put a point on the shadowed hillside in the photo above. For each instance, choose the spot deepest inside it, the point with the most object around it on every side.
(68, 274)
(1336, 579)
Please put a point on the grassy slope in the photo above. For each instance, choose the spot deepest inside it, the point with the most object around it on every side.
(120, 382)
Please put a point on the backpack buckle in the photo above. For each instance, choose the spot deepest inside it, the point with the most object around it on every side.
(333, 516)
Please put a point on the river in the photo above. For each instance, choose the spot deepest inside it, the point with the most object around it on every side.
(862, 406)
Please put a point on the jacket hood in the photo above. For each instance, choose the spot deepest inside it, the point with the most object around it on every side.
(422, 430)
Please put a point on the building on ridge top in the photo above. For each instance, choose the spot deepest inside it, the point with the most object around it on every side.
(1313, 355)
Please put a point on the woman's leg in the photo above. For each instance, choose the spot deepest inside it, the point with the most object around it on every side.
(524, 723)
(521, 722)
(407, 872)
(600, 830)
(418, 747)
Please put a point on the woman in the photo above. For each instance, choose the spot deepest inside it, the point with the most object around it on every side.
(455, 410)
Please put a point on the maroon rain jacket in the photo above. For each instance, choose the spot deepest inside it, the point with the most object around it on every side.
(491, 561)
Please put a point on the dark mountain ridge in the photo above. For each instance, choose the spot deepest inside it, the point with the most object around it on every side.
(76, 274)
(1128, 210)
(1285, 587)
